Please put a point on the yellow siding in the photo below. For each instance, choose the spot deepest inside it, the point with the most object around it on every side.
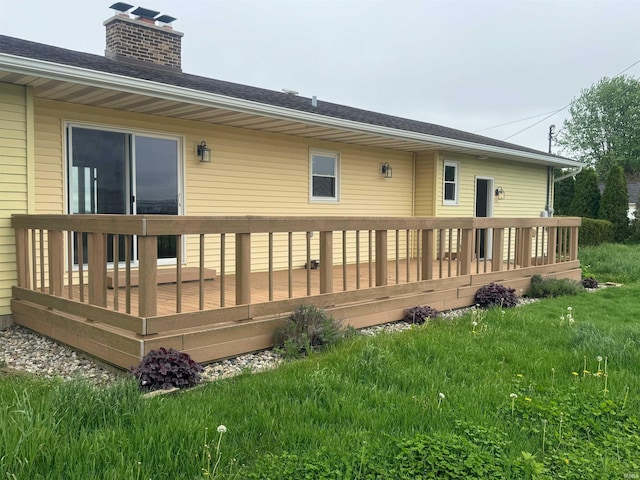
(425, 195)
(251, 173)
(13, 181)
(525, 186)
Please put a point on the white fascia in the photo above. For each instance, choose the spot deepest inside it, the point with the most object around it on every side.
(84, 76)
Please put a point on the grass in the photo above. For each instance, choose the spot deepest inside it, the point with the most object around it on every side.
(371, 407)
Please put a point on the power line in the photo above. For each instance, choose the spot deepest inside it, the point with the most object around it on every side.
(560, 109)
(551, 114)
(514, 121)
(538, 122)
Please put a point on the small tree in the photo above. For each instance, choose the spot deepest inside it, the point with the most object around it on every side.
(615, 203)
(586, 200)
(563, 193)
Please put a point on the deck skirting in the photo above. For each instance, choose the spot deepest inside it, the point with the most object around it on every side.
(244, 332)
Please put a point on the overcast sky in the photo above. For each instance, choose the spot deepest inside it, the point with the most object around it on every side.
(470, 64)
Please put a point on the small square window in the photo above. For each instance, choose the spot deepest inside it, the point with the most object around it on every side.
(324, 183)
(450, 183)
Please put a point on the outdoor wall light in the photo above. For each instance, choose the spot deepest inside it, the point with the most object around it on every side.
(500, 193)
(386, 171)
(204, 152)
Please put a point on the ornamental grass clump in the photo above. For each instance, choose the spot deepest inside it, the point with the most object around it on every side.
(164, 369)
(419, 315)
(553, 287)
(496, 295)
(308, 328)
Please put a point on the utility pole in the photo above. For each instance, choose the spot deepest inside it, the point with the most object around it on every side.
(552, 130)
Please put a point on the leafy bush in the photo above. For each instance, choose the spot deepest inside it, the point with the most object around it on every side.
(495, 294)
(163, 369)
(595, 232)
(553, 287)
(306, 329)
(590, 282)
(419, 315)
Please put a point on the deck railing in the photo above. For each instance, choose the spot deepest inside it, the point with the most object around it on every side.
(106, 264)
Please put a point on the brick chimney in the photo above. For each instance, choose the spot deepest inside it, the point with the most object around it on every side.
(146, 38)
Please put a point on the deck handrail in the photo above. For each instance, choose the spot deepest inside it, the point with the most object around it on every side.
(513, 239)
(152, 225)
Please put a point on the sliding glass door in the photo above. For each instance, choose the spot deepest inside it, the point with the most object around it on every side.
(125, 173)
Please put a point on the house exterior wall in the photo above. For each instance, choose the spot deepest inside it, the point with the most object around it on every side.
(525, 186)
(15, 115)
(251, 173)
(424, 184)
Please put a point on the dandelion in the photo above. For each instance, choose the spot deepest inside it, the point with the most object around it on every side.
(440, 398)
(584, 367)
(553, 377)
(513, 397)
(599, 359)
(544, 433)
(527, 399)
(575, 374)
(222, 429)
(519, 375)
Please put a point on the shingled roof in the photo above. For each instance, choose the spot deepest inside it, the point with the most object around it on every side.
(61, 56)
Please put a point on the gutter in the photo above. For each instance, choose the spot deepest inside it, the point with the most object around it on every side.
(84, 76)
(572, 173)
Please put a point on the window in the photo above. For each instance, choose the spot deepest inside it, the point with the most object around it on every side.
(324, 176)
(123, 172)
(450, 183)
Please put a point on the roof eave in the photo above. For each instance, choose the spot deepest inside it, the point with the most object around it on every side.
(88, 77)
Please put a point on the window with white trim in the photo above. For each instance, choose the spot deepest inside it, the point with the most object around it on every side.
(324, 182)
(450, 183)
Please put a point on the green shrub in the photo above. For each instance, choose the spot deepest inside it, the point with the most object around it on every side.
(586, 200)
(563, 194)
(595, 232)
(496, 295)
(553, 287)
(615, 203)
(306, 329)
(419, 315)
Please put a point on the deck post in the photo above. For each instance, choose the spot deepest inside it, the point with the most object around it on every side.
(525, 249)
(22, 257)
(498, 250)
(466, 254)
(243, 268)
(55, 251)
(326, 262)
(427, 254)
(148, 276)
(381, 257)
(573, 245)
(97, 259)
(552, 244)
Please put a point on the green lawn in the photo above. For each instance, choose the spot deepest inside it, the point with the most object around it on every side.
(523, 396)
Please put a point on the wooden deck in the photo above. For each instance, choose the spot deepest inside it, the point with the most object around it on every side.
(238, 313)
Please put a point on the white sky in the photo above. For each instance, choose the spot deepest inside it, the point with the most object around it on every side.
(463, 64)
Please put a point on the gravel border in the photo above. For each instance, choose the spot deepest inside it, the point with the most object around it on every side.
(24, 350)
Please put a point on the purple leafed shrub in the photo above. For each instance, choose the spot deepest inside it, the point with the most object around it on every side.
(589, 282)
(496, 295)
(163, 369)
(419, 315)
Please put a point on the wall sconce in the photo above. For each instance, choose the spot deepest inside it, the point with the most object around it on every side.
(203, 152)
(386, 170)
(500, 193)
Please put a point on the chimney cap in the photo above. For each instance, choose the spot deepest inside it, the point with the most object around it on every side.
(121, 7)
(166, 19)
(145, 13)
